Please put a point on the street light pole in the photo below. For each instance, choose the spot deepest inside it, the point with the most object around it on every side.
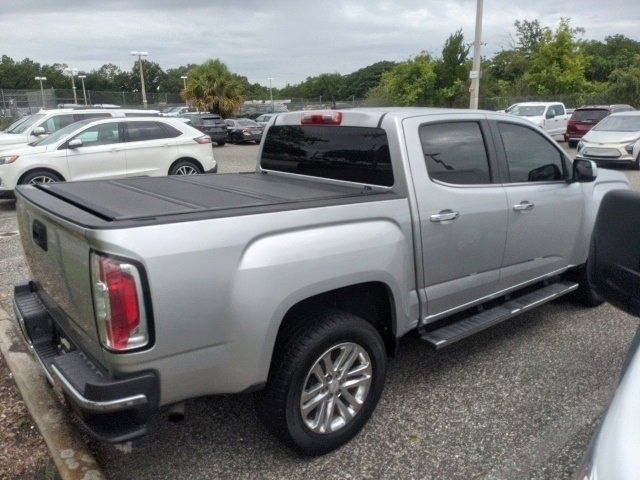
(475, 71)
(72, 72)
(271, 92)
(184, 83)
(138, 54)
(42, 79)
(84, 92)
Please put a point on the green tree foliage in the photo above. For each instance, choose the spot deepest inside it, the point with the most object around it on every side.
(617, 51)
(624, 84)
(409, 83)
(557, 64)
(529, 35)
(212, 87)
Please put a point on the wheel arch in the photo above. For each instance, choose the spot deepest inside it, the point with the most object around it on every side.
(40, 169)
(187, 159)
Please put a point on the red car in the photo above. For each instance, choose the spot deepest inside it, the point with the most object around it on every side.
(585, 118)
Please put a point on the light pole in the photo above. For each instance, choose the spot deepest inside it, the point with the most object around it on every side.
(84, 92)
(73, 72)
(138, 54)
(475, 70)
(42, 79)
(184, 84)
(271, 92)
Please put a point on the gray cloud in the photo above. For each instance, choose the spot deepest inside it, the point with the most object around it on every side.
(285, 39)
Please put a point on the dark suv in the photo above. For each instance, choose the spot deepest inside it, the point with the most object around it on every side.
(209, 123)
(585, 118)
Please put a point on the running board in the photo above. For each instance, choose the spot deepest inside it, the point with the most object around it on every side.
(457, 331)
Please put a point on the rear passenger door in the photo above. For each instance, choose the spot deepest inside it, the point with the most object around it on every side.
(545, 212)
(150, 148)
(462, 209)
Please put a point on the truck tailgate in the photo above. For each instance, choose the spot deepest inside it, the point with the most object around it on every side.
(58, 257)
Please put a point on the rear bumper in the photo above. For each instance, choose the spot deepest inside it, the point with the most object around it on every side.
(112, 409)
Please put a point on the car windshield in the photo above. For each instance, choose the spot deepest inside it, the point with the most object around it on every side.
(10, 128)
(589, 115)
(23, 126)
(63, 132)
(622, 123)
(247, 123)
(527, 110)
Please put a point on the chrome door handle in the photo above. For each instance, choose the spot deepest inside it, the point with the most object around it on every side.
(444, 216)
(523, 205)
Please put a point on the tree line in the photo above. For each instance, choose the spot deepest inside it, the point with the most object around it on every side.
(539, 62)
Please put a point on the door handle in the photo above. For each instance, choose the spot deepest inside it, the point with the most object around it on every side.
(444, 216)
(523, 206)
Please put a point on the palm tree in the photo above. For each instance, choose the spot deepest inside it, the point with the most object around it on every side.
(212, 87)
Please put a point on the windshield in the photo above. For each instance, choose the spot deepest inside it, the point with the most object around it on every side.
(23, 126)
(10, 128)
(247, 123)
(589, 115)
(622, 123)
(63, 132)
(527, 110)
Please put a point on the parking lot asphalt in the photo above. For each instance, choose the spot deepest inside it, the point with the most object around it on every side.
(520, 400)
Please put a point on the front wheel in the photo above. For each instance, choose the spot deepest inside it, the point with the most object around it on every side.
(39, 176)
(584, 293)
(572, 144)
(185, 167)
(325, 382)
(221, 143)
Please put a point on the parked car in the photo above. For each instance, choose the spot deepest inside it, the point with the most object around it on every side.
(178, 111)
(46, 122)
(358, 227)
(263, 119)
(614, 270)
(243, 130)
(108, 148)
(583, 119)
(209, 123)
(550, 116)
(615, 140)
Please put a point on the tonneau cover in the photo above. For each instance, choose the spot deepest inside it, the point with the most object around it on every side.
(145, 197)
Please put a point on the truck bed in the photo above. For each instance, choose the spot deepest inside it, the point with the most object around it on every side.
(144, 200)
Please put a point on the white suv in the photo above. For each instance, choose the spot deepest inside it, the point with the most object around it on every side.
(109, 148)
(32, 128)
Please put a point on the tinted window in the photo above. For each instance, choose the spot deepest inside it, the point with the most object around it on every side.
(141, 114)
(103, 134)
(589, 115)
(139, 131)
(557, 109)
(57, 122)
(85, 116)
(455, 153)
(355, 154)
(170, 131)
(530, 156)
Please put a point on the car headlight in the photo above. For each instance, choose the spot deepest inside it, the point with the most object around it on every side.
(5, 159)
(630, 146)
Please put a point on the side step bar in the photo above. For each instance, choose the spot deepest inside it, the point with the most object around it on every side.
(457, 331)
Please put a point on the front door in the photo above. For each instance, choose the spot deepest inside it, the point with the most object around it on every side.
(462, 210)
(100, 155)
(545, 211)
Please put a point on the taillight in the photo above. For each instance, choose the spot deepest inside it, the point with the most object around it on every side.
(118, 303)
(203, 139)
(321, 118)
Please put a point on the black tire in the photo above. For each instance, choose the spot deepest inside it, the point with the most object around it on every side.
(585, 295)
(35, 176)
(221, 143)
(279, 403)
(572, 144)
(184, 165)
(636, 163)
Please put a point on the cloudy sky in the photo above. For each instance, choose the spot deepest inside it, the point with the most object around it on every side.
(285, 39)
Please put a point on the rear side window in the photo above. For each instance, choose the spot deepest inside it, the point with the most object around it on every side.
(591, 115)
(141, 114)
(86, 116)
(530, 156)
(139, 131)
(558, 110)
(455, 153)
(354, 154)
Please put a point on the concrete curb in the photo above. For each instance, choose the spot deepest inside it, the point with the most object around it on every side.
(70, 454)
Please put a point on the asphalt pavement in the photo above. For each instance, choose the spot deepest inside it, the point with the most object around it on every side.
(520, 400)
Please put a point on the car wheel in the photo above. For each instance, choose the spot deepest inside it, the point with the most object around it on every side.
(636, 163)
(40, 176)
(325, 382)
(572, 144)
(585, 295)
(221, 143)
(185, 167)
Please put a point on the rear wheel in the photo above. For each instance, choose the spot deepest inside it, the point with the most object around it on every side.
(40, 176)
(221, 143)
(325, 382)
(572, 144)
(185, 167)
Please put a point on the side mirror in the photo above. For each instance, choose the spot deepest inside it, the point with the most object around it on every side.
(550, 114)
(614, 260)
(584, 170)
(75, 143)
(38, 131)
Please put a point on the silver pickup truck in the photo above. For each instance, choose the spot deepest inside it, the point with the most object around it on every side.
(297, 280)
